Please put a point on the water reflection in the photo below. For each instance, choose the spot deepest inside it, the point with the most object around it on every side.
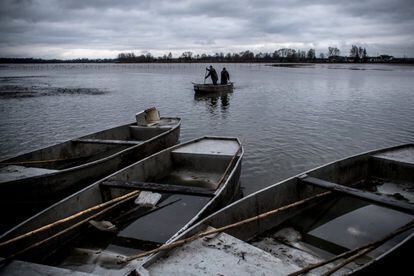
(214, 100)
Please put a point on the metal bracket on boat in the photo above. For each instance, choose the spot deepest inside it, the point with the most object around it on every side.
(302, 176)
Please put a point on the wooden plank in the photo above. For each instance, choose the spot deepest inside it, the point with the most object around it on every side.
(157, 187)
(113, 142)
(368, 196)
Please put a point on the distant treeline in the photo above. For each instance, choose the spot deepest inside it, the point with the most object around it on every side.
(356, 55)
(39, 60)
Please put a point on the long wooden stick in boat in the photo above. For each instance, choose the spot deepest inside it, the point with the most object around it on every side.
(218, 230)
(360, 249)
(205, 74)
(370, 248)
(65, 230)
(228, 167)
(41, 161)
(9, 258)
(58, 222)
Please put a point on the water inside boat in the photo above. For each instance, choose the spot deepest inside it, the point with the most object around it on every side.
(137, 230)
(336, 226)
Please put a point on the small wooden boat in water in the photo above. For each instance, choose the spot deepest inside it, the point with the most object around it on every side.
(353, 216)
(35, 180)
(211, 88)
(88, 231)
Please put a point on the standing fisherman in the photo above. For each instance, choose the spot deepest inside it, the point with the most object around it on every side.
(213, 74)
(225, 76)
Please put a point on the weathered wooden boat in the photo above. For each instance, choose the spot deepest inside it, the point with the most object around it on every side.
(211, 88)
(359, 210)
(32, 181)
(89, 230)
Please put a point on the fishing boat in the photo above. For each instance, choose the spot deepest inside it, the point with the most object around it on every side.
(353, 216)
(135, 209)
(211, 88)
(31, 181)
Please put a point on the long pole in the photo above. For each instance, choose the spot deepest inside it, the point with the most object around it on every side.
(205, 74)
(228, 167)
(58, 222)
(65, 230)
(219, 230)
(355, 252)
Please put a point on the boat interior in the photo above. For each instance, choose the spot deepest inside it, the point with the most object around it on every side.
(371, 196)
(178, 181)
(86, 149)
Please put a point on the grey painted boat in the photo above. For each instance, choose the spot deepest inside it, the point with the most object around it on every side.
(291, 239)
(34, 180)
(211, 88)
(189, 180)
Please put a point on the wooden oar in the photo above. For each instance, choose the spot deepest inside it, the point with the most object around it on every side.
(370, 247)
(219, 230)
(357, 251)
(228, 167)
(58, 222)
(205, 74)
(13, 256)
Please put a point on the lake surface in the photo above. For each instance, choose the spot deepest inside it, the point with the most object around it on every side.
(289, 119)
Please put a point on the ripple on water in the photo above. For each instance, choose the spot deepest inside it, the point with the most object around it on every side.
(288, 119)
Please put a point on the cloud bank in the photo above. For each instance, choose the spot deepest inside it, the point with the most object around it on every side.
(103, 28)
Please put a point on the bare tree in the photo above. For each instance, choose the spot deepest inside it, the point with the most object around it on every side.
(311, 54)
(354, 52)
(333, 51)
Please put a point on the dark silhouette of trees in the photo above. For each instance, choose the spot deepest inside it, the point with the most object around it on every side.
(333, 52)
(310, 55)
(356, 54)
(131, 57)
(186, 56)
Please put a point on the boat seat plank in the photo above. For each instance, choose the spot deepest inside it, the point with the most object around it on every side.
(400, 155)
(104, 141)
(368, 196)
(157, 187)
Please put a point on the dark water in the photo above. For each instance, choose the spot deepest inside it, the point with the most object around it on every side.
(289, 119)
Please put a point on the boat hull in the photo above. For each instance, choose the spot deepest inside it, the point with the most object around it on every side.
(27, 196)
(184, 155)
(210, 88)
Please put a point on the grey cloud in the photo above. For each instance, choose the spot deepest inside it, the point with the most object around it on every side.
(202, 25)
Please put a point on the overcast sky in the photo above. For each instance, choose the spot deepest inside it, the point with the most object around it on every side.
(104, 28)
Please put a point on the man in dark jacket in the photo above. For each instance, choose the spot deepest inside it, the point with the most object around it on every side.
(213, 74)
(225, 76)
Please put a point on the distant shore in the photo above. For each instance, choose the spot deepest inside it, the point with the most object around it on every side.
(408, 61)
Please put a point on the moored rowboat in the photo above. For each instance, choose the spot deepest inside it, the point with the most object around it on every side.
(32, 181)
(176, 187)
(359, 209)
(211, 88)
